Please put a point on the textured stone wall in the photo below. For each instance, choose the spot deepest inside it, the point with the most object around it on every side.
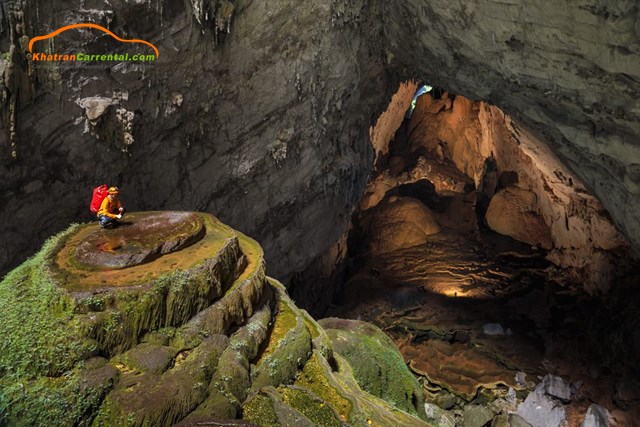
(569, 71)
(541, 202)
(260, 112)
(263, 121)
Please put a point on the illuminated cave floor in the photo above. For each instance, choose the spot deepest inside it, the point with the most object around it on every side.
(442, 303)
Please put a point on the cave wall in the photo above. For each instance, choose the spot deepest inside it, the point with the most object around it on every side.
(497, 153)
(391, 119)
(570, 72)
(242, 115)
(259, 113)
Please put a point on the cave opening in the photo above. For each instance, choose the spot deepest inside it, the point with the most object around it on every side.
(488, 262)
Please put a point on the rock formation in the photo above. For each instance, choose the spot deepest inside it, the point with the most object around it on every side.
(195, 334)
(472, 154)
(261, 115)
(400, 223)
(456, 301)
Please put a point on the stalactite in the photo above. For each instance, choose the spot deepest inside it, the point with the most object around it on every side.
(216, 13)
(16, 85)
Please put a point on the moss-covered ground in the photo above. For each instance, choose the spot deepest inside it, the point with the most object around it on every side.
(41, 342)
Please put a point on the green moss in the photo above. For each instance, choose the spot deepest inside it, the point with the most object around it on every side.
(378, 366)
(186, 366)
(259, 410)
(288, 347)
(314, 378)
(148, 358)
(169, 301)
(313, 408)
(231, 382)
(49, 402)
(49, 332)
(147, 396)
(285, 321)
(162, 336)
(37, 318)
(311, 326)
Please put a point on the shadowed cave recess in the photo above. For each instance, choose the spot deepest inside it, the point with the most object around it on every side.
(492, 231)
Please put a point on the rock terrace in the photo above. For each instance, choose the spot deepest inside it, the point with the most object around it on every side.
(139, 239)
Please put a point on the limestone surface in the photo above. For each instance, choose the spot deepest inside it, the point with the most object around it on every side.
(139, 239)
(400, 223)
(260, 112)
(512, 212)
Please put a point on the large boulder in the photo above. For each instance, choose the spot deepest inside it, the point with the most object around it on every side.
(513, 212)
(398, 223)
(543, 409)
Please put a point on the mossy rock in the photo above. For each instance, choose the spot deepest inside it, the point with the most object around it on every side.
(333, 382)
(197, 335)
(377, 364)
(150, 358)
(58, 314)
(288, 346)
(149, 398)
(269, 409)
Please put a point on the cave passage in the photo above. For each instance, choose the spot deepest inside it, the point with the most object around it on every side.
(489, 264)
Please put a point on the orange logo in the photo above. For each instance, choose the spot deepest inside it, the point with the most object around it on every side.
(90, 25)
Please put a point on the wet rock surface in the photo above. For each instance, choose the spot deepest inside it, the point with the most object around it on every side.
(139, 239)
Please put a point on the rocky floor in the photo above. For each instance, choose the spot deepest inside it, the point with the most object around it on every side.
(480, 319)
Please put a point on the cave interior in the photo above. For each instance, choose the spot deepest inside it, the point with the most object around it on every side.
(490, 229)
(487, 260)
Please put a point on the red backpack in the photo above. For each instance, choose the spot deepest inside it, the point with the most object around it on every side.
(99, 193)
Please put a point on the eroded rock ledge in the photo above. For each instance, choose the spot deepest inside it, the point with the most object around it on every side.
(89, 344)
(140, 239)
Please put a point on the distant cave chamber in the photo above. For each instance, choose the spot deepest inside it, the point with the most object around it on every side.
(472, 234)
(449, 166)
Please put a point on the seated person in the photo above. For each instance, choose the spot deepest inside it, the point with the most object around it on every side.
(111, 209)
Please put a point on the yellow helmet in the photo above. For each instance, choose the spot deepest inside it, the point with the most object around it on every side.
(114, 190)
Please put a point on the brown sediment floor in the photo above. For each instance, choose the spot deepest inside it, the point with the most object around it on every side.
(442, 303)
